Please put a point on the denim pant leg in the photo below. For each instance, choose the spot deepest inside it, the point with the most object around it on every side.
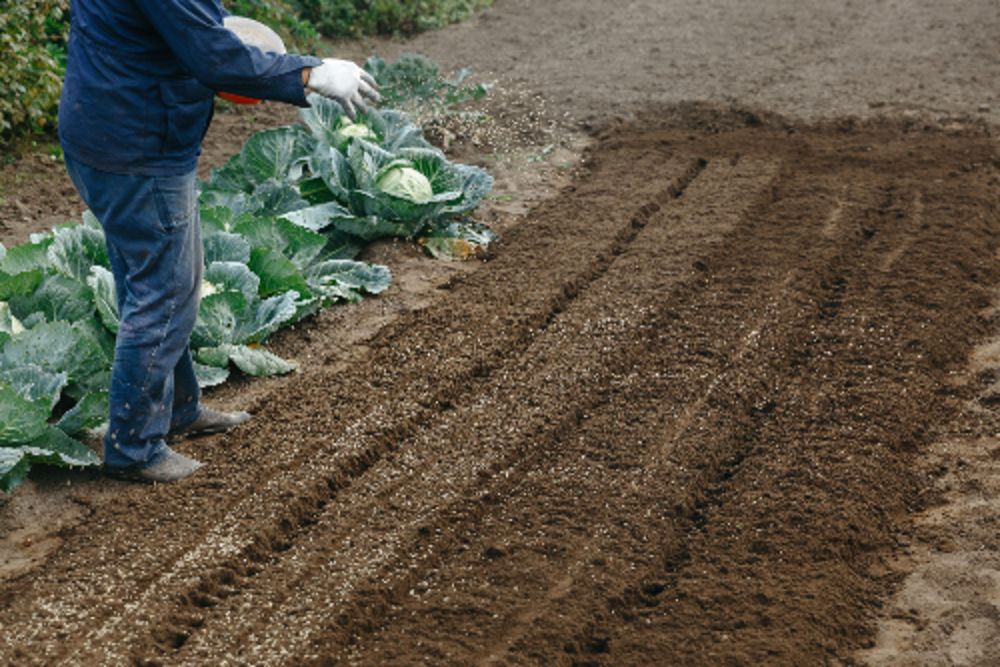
(153, 234)
(187, 393)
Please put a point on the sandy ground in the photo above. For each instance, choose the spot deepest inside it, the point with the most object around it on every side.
(801, 470)
(805, 59)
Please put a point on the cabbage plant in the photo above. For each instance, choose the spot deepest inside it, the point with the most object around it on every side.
(283, 222)
(357, 180)
(59, 315)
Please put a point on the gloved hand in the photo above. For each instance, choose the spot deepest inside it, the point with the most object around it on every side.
(344, 82)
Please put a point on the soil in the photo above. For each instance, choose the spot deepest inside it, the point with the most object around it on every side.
(723, 394)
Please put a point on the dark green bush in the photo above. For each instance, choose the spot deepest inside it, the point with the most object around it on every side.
(33, 48)
(352, 18)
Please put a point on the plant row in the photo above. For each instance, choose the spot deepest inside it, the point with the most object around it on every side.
(283, 223)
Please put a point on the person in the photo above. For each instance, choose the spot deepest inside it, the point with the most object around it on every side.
(136, 103)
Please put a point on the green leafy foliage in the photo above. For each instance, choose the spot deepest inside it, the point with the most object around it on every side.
(343, 182)
(453, 188)
(32, 39)
(58, 313)
(353, 18)
(102, 285)
(229, 326)
(32, 380)
(299, 245)
(415, 82)
(60, 347)
(210, 376)
(21, 419)
(460, 240)
(90, 412)
(389, 129)
(382, 180)
(342, 279)
(284, 219)
(230, 277)
(57, 298)
(229, 317)
(261, 176)
(75, 249)
(27, 257)
(251, 360)
(277, 273)
(51, 447)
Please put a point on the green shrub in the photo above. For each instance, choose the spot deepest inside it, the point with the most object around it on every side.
(33, 44)
(352, 18)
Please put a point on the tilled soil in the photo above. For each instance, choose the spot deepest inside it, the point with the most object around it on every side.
(675, 419)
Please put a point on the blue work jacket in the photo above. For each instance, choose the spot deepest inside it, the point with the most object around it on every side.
(140, 80)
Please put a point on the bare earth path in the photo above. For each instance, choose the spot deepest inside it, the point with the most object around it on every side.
(702, 407)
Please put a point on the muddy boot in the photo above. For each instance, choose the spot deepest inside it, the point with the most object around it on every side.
(172, 467)
(211, 421)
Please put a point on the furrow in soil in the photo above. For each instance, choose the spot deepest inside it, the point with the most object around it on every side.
(666, 528)
(383, 535)
(782, 565)
(227, 532)
(590, 513)
(673, 421)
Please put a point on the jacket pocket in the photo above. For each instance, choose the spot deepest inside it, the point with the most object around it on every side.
(189, 110)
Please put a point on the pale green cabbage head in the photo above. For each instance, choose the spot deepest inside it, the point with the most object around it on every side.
(406, 183)
(356, 131)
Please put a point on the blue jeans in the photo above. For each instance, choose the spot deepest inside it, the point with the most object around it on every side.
(153, 234)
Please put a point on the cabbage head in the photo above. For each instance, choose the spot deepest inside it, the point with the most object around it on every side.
(400, 179)
(351, 130)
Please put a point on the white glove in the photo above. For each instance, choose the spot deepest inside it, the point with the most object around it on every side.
(345, 82)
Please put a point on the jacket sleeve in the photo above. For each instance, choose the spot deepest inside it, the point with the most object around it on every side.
(218, 59)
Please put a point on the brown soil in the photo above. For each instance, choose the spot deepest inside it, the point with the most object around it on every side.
(708, 403)
(675, 420)
(944, 611)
